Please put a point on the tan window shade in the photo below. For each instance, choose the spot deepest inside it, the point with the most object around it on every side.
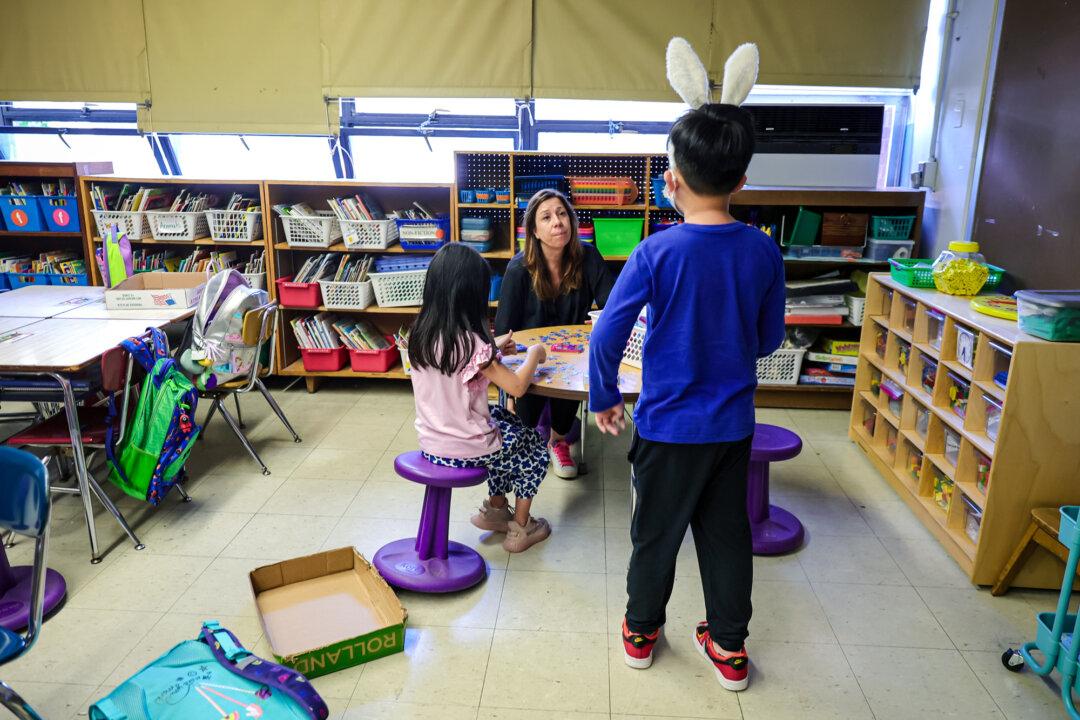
(246, 66)
(612, 49)
(843, 43)
(448, 48)
(72, 51)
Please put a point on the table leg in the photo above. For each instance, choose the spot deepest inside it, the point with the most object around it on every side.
(583, 466)
(81, 475)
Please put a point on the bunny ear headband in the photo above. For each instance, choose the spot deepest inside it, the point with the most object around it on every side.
(690, 80)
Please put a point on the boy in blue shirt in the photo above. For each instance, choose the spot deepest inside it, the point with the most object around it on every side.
(714, 288)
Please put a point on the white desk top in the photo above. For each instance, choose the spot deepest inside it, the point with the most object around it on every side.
(64, 344)
(44, 301)
(11, 323)
(97, 311)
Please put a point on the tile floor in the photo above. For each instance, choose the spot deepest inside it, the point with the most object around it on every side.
(871, 619)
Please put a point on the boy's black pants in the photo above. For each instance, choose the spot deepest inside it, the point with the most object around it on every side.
(530, 407)
(702, 486)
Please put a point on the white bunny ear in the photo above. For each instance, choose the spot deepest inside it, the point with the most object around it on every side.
(686, 73)
(740, 74)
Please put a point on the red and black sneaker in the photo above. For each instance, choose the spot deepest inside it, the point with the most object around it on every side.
(732, 670)
(638, 647)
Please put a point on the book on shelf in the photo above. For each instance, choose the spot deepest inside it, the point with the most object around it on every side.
(830, 368)
(833, 358)
(847, 380)
(832, 319)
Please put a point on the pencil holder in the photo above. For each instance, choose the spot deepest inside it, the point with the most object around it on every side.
(467, 196)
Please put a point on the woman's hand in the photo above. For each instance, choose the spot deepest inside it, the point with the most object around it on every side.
(505, 344)
(539, 352)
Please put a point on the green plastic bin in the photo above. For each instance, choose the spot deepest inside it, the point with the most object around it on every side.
(891, 227)
(918, 273)
(807, 226)
(617, 236)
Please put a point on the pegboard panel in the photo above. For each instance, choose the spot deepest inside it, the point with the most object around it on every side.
(481, 170)
(583, 166)
(657, 165)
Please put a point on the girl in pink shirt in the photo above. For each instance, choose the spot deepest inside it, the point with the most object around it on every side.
(454, 359)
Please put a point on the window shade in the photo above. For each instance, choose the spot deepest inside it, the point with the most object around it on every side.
(843, 43)
(243, 66)
(612, 49)
(448, 48)
(72, 51)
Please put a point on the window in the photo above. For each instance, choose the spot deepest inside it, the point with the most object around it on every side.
(253, 156)
(130, 155)
(668, 112)
(596, 142)
(407, 159)
(423, 106)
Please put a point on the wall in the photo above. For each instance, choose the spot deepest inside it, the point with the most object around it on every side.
(949, 207)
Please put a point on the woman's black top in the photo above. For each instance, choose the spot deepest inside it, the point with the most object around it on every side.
(521, 309)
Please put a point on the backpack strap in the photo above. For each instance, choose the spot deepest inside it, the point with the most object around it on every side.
(234, 657)
(111, 415)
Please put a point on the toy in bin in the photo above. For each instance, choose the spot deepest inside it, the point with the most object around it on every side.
(890, 440)
(880, 340)
(875, 381)
(903, 354)
(960, 269)
(922, 420)
(929, 374)
(982, 471)
(958, 394)
(914, 463)
(943, 489)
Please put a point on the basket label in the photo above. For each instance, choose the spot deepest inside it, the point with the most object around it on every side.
(171, 225)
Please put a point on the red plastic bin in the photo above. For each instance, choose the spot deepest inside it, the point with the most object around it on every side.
(324, 359)
(297, 294)
(375, 360)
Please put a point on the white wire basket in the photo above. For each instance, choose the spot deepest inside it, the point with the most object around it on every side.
(780, 368)
(634, 347)
(132, 224)
(856, 308)
(183, 226)
(398, 289)
(234, 225)
(347, 295)
(256, 280)
(321, 230)
(369, 234)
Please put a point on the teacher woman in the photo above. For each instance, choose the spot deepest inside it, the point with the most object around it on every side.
(554, 281)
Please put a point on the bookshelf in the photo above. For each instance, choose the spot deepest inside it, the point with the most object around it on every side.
(477, 170)
(1029, 461)
(223, 189)
(33, 243)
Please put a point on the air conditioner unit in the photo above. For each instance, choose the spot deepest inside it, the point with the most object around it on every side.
(817, 145)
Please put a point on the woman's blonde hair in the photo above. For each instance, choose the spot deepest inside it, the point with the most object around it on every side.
(573, 257)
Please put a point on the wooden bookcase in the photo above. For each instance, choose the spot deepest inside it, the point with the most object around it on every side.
(474, 170)
(221, 188)
(36, 172)
(1035, 457)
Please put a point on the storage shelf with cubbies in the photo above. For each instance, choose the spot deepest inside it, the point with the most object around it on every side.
(987, 428)
(220, 230)
(510, 171)
(33, 224)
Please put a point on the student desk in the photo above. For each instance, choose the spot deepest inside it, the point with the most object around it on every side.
(61, 345)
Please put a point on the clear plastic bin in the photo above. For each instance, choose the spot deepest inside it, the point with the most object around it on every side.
(929, 374)
(966, 340)
(1002, 356)
(875, 381)
(943, 489)
(952, 446)
(913, 463)
(993, 417)
(972, 519)
(903, 354)
(1050, 314)
(909, 314)
(891, 437)
(959, 389)
(922, 420)
(880, 339)
(894, 394)
(935, 328)
(982, 472)
(869, 419)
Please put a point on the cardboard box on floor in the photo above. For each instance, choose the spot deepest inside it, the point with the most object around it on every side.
(327, 612)
(157, 289)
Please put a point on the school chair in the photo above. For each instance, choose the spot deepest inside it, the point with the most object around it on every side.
(116, 372)
(1042, 531)
(24, 509)
(259, 331)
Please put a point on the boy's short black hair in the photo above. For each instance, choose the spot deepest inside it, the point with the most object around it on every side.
(712, 147)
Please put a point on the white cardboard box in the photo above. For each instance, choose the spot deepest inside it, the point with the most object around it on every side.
(157, 289)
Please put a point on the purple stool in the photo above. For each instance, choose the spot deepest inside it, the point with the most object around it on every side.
(775, 530)
(431, 562)
(15, 592)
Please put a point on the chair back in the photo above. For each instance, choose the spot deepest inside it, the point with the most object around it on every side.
(25, 508)
(259, 330)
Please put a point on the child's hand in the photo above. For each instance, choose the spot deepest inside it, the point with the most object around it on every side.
(539, 352)
(506, 344)
(611, 420)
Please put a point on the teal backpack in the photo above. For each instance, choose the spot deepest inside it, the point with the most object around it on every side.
(160, 435)
(212, 678)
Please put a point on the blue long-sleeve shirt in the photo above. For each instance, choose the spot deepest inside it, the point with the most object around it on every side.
(715, 295)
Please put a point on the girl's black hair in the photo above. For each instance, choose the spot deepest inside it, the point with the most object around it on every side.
(455, 306)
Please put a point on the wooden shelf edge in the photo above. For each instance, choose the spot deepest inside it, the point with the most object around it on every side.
(957, 368)
(914, 438)
(991, 388)
(41, 234)
(296, 369)
(197, 241)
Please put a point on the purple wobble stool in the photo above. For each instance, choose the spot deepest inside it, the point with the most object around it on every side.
(775, 530)
(431, 562)
(15, 592)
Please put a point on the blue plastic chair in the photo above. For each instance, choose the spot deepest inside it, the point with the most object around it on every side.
(24, 509)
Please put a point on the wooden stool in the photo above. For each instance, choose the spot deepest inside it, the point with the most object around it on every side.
(1043, 531)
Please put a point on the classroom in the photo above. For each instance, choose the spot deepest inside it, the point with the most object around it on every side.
(569, 359)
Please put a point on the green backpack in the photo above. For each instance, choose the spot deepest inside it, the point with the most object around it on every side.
(160, 435)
